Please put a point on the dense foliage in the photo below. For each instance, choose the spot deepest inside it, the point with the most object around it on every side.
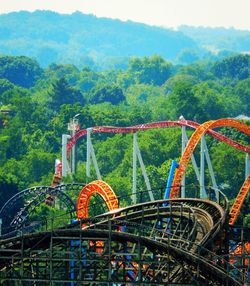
(37, 105)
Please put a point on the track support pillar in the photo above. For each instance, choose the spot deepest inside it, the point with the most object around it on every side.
(88, 152)
(247, 165)
(183, 146)
(134, 168)
(202, 169)
(65, 163)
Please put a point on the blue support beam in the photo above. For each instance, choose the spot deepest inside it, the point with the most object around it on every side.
(174, 165)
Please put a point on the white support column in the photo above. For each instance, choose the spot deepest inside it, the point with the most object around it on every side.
(88, 152)
(92, 152)
(73, 127)
(202, 169)
(210, 167)
(184, 140)
(144, 173)
(211, 171)
(65, 165)
(134, 169)
(247, 166)
(73, 156)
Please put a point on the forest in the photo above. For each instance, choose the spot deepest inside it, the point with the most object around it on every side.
(36, 104)
(104, 43)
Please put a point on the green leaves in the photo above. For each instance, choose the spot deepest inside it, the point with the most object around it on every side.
(106, 93)
(21, 70)
(62, 93)
(236, 67)
(154, 70)
(182, 101)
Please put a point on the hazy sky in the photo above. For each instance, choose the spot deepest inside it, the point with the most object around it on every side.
(169, 13)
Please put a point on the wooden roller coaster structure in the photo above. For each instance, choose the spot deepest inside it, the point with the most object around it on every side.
(205, 220)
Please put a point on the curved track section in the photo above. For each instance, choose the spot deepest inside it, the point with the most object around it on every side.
(18, 210)
(238, 202)
(154, 125)
(154, 243)
(102, 189)
(184, 220)
(192, 143)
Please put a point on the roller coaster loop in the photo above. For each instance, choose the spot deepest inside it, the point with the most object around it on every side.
(103, 189)
(196, 136)
(154, 125)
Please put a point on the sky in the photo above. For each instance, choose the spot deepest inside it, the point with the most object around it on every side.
(166, 13)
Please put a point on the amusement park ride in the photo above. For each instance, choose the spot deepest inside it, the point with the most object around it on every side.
(166, 240)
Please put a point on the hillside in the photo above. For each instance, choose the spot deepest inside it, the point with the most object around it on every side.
(103, 43)
(217, 39)
(84, 39)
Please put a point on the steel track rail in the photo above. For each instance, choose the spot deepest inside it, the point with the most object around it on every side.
(18, 208)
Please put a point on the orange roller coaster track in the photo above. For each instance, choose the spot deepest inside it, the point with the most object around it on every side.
(235, 210)
(101, 188)
(192, 143)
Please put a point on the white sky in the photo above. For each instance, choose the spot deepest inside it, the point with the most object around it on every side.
(168, 13)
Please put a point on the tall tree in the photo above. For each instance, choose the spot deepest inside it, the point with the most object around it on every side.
(106, 93)
(236, 67)
(154, 70)
(20, 70)
(62, 93)
(182, 101)
(242, 90)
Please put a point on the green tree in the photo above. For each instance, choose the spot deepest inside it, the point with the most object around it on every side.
(187, 56)
(5, 85)
(142, 93)
(211, 103)
(106, 93)
(20, 70)
(182, 101)
(228, 164)
(235, 67)
(199, 71)
(154, 70)
(62, 93)
(242, 91)
(67, 71)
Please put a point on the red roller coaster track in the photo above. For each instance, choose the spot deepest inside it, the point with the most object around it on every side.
(154, 125)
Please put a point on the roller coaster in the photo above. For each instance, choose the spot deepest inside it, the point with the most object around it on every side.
(171, 241)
